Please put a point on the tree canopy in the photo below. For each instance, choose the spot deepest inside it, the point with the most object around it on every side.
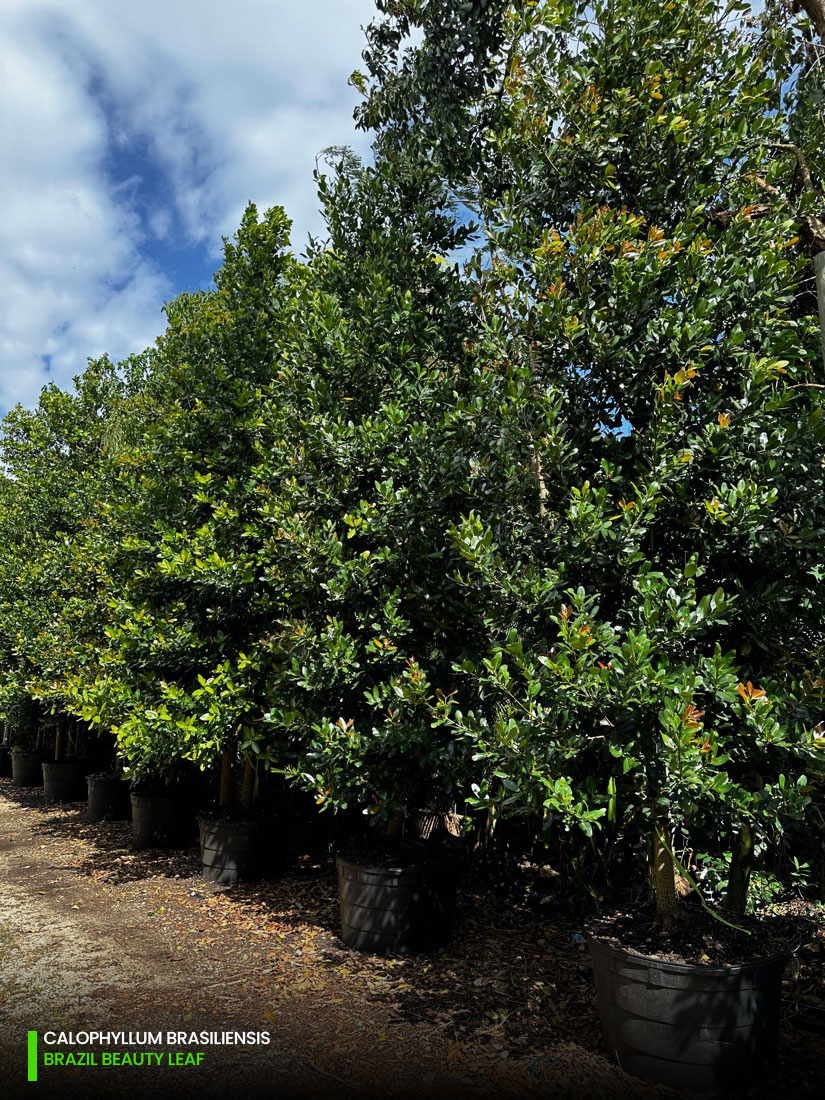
(509, 495)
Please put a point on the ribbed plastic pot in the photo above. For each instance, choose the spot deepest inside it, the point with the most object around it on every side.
(26, 768)
(108, 798)
(395, 910)
(62, 780)
(230, 850)
(156, 821)
(697, 1027)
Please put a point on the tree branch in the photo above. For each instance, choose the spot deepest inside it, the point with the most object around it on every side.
(816, 11)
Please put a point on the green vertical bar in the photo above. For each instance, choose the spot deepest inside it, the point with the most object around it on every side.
(32, 1055)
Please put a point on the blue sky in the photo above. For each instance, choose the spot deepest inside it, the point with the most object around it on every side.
(133, 137)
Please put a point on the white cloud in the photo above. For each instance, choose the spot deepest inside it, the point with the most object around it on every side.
(160, 222)
(134, 128)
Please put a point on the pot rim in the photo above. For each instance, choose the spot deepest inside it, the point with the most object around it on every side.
(684, 968)
(217, 819)
(380, 869)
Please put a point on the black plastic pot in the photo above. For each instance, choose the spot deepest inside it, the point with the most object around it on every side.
(62, 780)
(230, 850)
(156, 821)
(5, 762)
(395, 910)
(27, 769)
(108, 798)
(696, 1027)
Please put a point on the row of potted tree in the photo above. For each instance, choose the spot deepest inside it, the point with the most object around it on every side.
(506, 500)
(384, 909)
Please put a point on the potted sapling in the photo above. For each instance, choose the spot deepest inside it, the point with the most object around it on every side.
(147, 740)
(688, 995)
(63, 775)
(216, 728)
(397, 891)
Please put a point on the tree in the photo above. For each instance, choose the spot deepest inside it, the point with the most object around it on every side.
(52, 564)
(656, 638)
(173, 680)
(382, 458)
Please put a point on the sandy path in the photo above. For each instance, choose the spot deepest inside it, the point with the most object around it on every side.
(76, 955)
(82, 950)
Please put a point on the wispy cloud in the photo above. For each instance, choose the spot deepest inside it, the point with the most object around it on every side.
(134, 136)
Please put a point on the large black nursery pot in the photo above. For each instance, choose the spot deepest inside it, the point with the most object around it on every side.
(157, 821)
(231, 851)
(26, 767)
(108, 797)
(63, 780)
(5, 762)
(688, 1026)
(401, 909)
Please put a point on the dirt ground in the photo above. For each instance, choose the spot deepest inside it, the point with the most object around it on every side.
(96, 936)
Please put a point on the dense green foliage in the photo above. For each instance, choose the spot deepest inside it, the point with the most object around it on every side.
(56, 471)
(538, 533)
(656, 652)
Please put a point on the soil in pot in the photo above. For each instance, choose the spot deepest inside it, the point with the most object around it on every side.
(108, 797)
(62, 780)
(231, 848)
(685, 1014)
(156, 821)
(27, 770)
(395, 902)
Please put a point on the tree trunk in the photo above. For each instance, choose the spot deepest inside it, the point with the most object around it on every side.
(819, 276)
(816, 11)
(535, 459)
(663, 876)
(227, 779)
(740, 870)
(248, 789)
(484, 830)
(59, 742)
(541, 486)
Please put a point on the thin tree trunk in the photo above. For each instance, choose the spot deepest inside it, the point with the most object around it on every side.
(227, 779)
(248, 789)
(541, 485)
(59, 742)
(535, 459)
(484, 831)
(741, 862)
(819, 276)
(663, 875)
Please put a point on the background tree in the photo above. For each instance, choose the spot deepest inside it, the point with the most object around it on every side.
(52, 565)
(184, 602)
